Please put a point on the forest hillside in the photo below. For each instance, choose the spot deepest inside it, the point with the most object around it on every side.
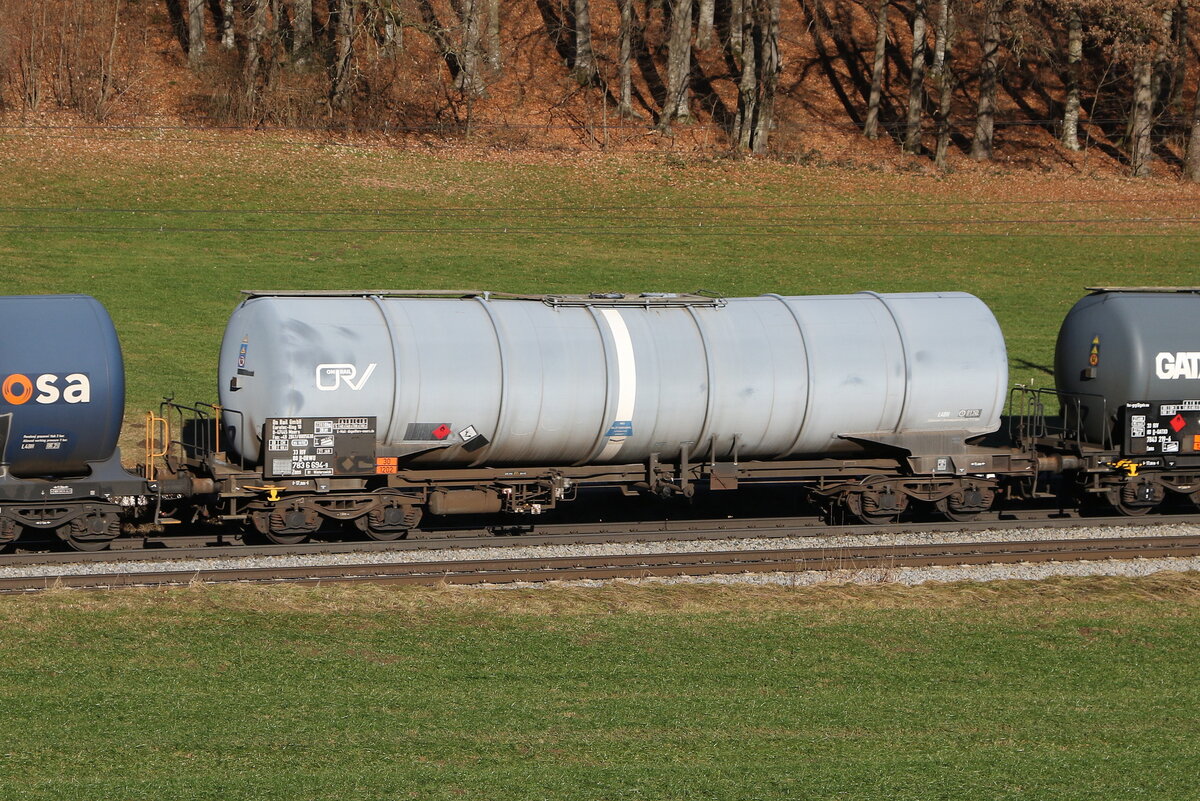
(1091, 85)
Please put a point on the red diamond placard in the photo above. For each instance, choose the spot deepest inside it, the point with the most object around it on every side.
(1177, 423)
(443, 431)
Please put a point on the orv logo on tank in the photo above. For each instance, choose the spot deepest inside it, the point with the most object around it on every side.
(19, 389)
(1177, 365)
(331, 376)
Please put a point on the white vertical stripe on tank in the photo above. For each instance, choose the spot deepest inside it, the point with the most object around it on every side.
(626, 378)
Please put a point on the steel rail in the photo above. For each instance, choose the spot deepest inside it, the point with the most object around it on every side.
(221, 547)
(566, 568)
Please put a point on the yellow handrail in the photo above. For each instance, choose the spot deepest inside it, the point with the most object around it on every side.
(154, 424)
(216, 427)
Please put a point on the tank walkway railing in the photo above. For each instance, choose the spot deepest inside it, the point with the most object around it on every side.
(199, 432)
(647, 300)
(1029, 422)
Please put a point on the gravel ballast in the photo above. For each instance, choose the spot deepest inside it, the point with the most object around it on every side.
(1025, 571)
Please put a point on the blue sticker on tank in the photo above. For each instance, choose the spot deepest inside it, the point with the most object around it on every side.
(620, 428)
(242, 355)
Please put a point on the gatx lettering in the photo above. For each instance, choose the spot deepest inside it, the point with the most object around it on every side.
(46, 388)
(1177, 365)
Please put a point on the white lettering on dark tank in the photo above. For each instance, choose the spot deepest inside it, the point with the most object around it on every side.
(1184, 364)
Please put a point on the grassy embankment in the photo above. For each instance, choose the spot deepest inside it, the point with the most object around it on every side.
(1062, 690)
(167, 231)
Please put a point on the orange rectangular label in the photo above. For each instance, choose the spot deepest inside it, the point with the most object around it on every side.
(386, 464)
(1196, 442)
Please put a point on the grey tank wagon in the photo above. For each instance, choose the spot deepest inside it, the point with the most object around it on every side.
(378, 407)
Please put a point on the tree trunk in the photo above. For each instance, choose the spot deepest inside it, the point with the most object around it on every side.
(704, 24)
(1143, 102)
(195, 12)
(679, 62)
(1192, 165)
(256, 29)
(1070, 133)
(625, 59)
(227, 41)
(277, 23)
(1179, 65)
(343, 65)
(302, 35)
(871, 128)
(393, 26)
(944, 79)
(469, 81)
(916, 81)
(735, 26)
(585, 59)
(768, 77)
(493, 34)
(748, 85)
(1164, 55)
(985, 112)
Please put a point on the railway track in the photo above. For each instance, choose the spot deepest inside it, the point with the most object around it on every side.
(224, 546)
(540, 569)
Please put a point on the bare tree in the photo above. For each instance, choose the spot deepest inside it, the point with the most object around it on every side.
(748, 83)
(493, 34)
(735, 26)
(585, 59)
(916, 81)
(759, 80)
(469, 80)
(944, 79)
(871, 127)
(1192, 165)
(31, 56)
(1162, 74)
(302, 29)
(1070, 132)
(256, 30)
(393, 25)
(985, 113)
(704, 24)
(769, 65)
(195, 23)
(1179, 63)
(227, 41)
(343, 64)
(1143, 103)
(679, 63)
(625, 59)
(107, 89)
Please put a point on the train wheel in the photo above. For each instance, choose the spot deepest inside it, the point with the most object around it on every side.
(389, 523)
(10, 530)
(286, 539)
(1131, 510)
(877, 504)
(946, 510)
(93, 532)
(287, 526)
(967, 505)
(1135, 500)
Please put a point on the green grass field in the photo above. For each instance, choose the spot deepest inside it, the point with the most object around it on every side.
(166, 231)
(1062, 690)
(1073, 689)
